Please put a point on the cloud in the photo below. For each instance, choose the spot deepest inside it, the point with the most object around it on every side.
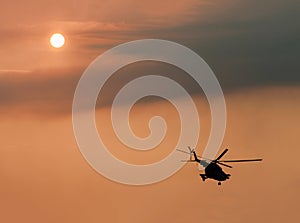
(13, 71)
(243, 46)
(52, 91)
(34, 93)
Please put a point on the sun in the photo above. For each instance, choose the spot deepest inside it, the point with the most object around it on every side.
(57, 40)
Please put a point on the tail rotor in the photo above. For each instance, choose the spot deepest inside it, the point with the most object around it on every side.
(194, 157)
(191, 152)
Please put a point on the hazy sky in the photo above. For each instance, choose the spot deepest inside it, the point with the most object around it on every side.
(252, 47)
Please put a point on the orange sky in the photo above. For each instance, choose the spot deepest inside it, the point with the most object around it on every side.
(45, 178)
(250, 46)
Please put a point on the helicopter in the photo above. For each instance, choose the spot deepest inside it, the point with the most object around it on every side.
(212, 168)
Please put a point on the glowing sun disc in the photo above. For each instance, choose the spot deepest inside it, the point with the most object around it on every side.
(57, 40)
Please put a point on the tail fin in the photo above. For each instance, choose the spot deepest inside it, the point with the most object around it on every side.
(192, 151)
(195, 157)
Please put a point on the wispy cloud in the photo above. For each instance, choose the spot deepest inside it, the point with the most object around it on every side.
(14, 71)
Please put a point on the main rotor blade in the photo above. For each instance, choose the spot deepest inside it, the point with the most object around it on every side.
(237, 161)
(224, 164)
(203, 158)
(188, 160)
(183, 151)
(222, 154)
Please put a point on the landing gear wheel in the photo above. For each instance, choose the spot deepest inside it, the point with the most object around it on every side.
(219, 183)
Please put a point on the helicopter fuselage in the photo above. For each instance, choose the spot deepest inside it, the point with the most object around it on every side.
(214, 171)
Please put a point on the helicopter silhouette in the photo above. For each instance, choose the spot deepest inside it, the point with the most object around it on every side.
(212, 169)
